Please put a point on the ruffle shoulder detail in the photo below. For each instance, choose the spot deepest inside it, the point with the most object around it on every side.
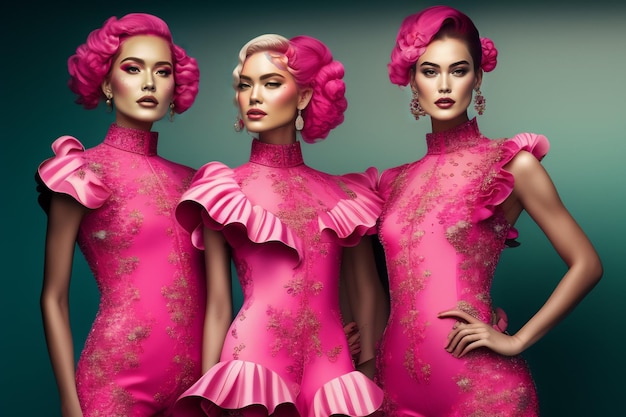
(216, 200)
(387, 179)
(353, 217)
(67, 172)
(501, 184)
(352, 394)
(233, 385)
(367, 179)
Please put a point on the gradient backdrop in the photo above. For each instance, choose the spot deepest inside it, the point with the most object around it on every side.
(561, 72)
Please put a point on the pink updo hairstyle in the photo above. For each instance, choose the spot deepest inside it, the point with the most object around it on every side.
(418, 30)
(91, 63)
(311, 64)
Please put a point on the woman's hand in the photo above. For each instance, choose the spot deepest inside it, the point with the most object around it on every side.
(469, 333)
(354, 340)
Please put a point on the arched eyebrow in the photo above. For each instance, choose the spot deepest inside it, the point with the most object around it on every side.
(142, 62)
(263, 77)
(430, 64)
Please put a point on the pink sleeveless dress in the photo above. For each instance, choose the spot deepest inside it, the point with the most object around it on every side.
(443, 232)
(144, 347)
(285, 351)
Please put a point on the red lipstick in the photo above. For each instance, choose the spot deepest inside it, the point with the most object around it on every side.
(255, 114)
(444, 103)
(149, 101)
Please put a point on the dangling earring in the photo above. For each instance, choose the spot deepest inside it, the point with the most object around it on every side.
(479, 102)
(172, 111)
(238, 125)
(109, 102)
(299, 121)
(416, 108)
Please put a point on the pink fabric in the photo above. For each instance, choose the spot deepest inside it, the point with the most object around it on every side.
(443, 233)
(286, 224)
(489, 197)
(216, 183)
(234, 385)
(65, 173)
(144, 347)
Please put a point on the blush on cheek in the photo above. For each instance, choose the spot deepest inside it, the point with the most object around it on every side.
(241, 101)
(286, 94)
(120, 86)
(169, 92)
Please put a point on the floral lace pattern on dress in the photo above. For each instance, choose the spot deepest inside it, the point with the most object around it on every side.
(147, 272)
(443, 232)
(287, 341)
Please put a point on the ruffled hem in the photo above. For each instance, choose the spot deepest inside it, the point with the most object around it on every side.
(216, 200)
(352, 394)
(234, 385)
(503, 182)
(66, 172)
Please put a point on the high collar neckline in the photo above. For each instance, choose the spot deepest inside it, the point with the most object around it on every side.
(459, 137)
(132, 140)
(277, 156)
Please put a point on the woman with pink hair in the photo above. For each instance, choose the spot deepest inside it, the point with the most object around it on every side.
(446, 219)
(285, 225)
(117, 201)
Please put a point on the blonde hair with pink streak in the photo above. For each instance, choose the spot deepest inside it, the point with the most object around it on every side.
(312, 65)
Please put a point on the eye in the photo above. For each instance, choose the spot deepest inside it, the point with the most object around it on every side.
(164, 72)
(429, 72)
(131, 69)
(460, 72)
(273, 84)
(243, 86)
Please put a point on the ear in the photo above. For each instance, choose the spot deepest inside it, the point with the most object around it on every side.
(412, 81)
(479, 79)
(106, 88)
(304, 97)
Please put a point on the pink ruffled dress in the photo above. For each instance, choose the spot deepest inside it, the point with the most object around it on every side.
(443, 232)
(144, 347)
(285, 351)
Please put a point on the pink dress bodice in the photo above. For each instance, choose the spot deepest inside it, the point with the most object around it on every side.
(443, 231)
(286, 224)
(144, 347)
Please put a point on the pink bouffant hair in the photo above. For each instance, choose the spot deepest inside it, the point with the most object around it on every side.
(311, 64)
(419, 30)
(91, 63)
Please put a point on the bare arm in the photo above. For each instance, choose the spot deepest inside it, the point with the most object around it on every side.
(63, 222)
(535, 193)
(367, 300)
(218, 315)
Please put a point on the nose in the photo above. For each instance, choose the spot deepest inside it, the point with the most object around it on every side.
(444, 84)
(255, 95)
(148, 84)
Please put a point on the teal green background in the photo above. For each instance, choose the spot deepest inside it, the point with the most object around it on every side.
(561, 73)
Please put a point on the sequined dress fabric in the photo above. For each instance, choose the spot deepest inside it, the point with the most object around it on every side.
(443, 232)
(144, 346)
(286, 224)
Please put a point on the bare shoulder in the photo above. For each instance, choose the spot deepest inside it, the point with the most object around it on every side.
(523, 162)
